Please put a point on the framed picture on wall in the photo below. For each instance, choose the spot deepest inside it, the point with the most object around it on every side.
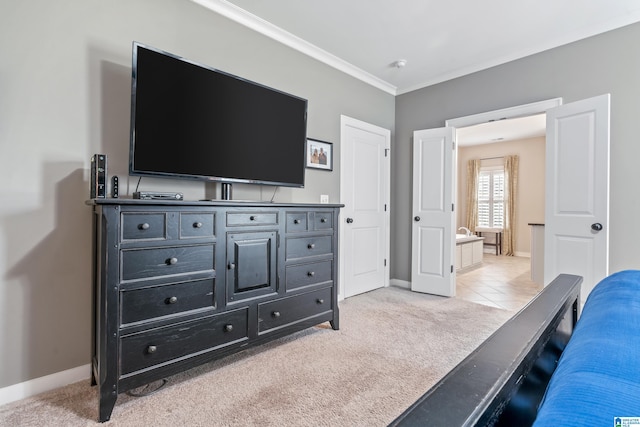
(319, 154)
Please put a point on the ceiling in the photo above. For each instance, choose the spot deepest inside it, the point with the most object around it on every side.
(503, 130)
(439, 40)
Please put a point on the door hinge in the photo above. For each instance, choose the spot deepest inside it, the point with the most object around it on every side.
(454, 145)
(386, 152)
(452, 268)
(453, 207)
(385, 262)
(385, 207)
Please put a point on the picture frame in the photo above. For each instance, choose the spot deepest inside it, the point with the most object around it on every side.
(319, 154)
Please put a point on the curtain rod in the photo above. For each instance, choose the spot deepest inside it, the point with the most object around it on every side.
(492, 158)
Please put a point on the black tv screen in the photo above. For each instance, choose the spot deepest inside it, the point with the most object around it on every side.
(193, 121)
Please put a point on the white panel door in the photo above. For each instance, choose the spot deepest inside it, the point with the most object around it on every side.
(577, 191)
(433, 240)
(365, 217)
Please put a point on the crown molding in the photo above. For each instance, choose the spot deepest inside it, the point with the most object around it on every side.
(241, 16)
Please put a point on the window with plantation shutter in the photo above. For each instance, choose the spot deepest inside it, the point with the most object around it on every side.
(491, 198)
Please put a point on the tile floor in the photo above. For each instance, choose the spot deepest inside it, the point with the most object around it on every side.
(501, 281)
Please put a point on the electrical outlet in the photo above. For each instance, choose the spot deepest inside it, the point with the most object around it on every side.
(324, 198)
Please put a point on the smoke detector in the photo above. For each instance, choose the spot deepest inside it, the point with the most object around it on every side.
(400, 63)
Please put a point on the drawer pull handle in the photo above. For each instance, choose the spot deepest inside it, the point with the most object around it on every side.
(311, 245)
(172, 300)
(276, 314)
(144, 226)
(231, 266)
(172, 261)
(320, 301)
(296, 221)
(311, 273)
(228, 328)
(323, 220)
(252, 218)
(197, 225)
(151, 349)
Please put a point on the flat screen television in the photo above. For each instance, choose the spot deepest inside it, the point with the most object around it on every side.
(192, 121)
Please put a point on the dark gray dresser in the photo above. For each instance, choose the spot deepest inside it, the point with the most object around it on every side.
(177, 284)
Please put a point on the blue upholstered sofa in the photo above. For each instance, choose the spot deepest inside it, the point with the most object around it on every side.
(545, 367)
(598, 376)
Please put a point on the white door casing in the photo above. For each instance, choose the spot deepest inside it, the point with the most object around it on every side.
(577, 191)
(433, 222)
(365, 218)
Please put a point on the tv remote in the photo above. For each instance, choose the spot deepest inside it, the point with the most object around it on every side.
(114, 187)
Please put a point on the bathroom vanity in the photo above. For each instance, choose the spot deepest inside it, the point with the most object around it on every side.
(469, 251)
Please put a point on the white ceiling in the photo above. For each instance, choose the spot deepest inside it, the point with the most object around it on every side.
(503, 130)
(440, 40)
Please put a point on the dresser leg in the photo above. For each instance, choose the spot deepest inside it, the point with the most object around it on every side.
(335, 323)
(107, 402)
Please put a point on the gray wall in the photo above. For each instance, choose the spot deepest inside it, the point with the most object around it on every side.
(608, 63)
(65, 94)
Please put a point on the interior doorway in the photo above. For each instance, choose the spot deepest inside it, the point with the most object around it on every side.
(576, 237)
(490, 136)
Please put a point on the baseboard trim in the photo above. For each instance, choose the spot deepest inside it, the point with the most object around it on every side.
(40, 385)
(400, 283)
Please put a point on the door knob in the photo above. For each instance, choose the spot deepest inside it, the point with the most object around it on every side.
(596, 226)
(416, 219)
(349, 220)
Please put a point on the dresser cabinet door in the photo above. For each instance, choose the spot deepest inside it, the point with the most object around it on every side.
(251, 264)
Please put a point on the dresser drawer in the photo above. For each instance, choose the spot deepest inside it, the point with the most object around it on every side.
(251, 218)
(153, 262)
(144, 226)
(322, 221)
(301, 247)
(298, 276)
(194, 225)
(149, 348)
(149, 303)
(296, 222)
(290, 310)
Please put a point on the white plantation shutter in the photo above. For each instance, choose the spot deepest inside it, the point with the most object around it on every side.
(491, 198)
(484, 199)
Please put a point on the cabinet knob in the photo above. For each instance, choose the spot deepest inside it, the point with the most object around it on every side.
(311, 273)
(197, 225)
(320, 301)
(231, 266)
(151, 349)
(144, 226)
(311, 245)
(172, 261)
(323, 220)
(296, 221)
(252, 218)
(276, 314)
(172, 300)
(228, 328)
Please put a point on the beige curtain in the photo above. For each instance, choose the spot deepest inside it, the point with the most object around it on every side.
(510, 200)
(473, 171)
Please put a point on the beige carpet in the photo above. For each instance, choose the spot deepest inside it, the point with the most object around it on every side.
(392, 346)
